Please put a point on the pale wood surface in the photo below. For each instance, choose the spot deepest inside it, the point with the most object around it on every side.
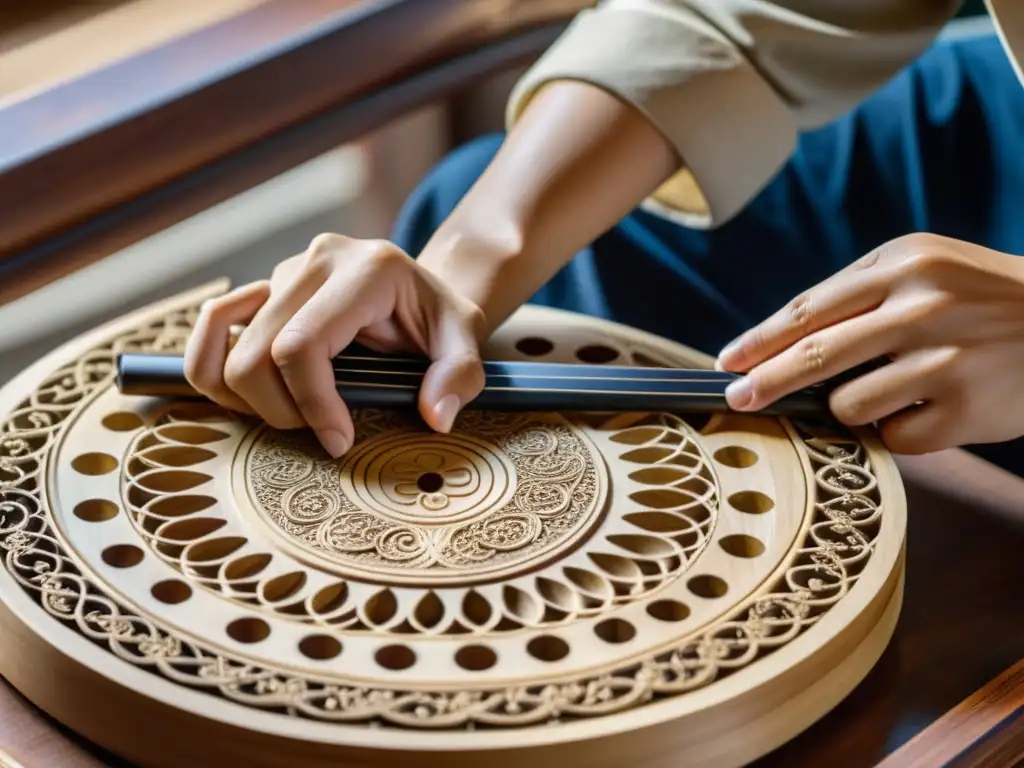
(731, 715)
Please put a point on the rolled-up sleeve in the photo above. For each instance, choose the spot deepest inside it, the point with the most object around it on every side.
(731, 83)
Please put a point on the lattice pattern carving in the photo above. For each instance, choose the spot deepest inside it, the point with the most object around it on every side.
(840, 540)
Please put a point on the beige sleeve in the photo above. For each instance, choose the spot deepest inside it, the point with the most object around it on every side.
(730, 83)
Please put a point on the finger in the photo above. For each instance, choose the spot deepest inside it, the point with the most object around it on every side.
(456, 376)
(840, 297)
(921, 429)
(251, 371)
(208, 344)
(303, 351)
(820, 356)
(904, 383)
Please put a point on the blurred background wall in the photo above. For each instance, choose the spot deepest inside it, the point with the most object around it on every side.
(355, 189)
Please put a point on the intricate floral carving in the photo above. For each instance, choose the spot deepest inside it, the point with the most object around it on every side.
(495, 493)
(839, 542)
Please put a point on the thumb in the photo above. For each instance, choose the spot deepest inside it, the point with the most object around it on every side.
(455, 377)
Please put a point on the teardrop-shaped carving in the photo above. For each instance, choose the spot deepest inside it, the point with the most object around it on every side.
(282, 587)
(179, 506)
(476, 609)
(667, 474)
(190, 529)
(521, 605)
(429, 611)
(329, 599)
(639, 435)
(649, 455)
(246, 567)
(557, 595)
(193, 434)
(590, 583)
(616, 566)
(669, 498)
(209, 551)
(661, 522)
(176, 456)
(644, 546)
(380, 608)
(172, 481)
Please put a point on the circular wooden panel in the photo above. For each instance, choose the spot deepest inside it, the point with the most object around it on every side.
(187, 586)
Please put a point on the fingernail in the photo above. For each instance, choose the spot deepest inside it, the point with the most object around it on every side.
(447, 409)
(739, 393)
(333, 441)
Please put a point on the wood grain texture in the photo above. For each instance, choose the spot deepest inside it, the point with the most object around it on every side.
(36, 39)
(984, 727)
(545, 576)
(102, 160)
(918, 679)
(961, 623)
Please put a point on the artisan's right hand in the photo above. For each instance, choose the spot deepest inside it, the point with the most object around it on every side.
(317, 303)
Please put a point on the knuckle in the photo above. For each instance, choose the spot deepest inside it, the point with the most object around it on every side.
(238, 370)
(196, 376)
(217, 309)
(324, 243)
(801, 311)
(383, 255)
(812, 355)
(289, 346)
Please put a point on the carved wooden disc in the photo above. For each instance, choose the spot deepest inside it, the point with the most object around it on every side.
(187, 586)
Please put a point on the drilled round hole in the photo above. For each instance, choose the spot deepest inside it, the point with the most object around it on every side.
(171, 591)
(596, 354)
(396, 657)
(736, 456)
(94, 463)
(741, 545)
(248, 630)
(751, 502)
(668, 610)
(96, 510)
(534, 346)
(615, 631)
(548, 648)
(707, 586)
(476, 658)
(122, 556)
(430, 482)
(122, 421)
(319, 647)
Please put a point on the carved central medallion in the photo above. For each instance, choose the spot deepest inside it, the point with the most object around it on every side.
(502, 495)
(432, 479)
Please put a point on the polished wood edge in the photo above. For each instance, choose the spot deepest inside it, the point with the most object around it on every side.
(994, 712)
(84, 147)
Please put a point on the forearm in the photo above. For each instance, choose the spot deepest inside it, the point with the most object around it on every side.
(576, 162)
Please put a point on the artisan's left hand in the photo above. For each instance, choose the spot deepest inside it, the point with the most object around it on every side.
(949, 315)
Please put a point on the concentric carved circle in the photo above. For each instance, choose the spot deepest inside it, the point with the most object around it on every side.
(407, 506)
(430, 480)
(591, 574)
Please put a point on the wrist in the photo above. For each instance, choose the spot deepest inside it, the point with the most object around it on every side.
(479, 267)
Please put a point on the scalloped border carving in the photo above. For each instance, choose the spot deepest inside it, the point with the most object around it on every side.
(840, 541)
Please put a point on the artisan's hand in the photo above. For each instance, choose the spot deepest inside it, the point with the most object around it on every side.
(339, 291)
(949, 314)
